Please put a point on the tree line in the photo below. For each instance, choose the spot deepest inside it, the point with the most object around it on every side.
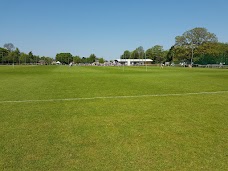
(66, 58)
(196, 46)
(156, 53)
(11, 55)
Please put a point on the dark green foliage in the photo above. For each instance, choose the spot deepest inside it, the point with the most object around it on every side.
(126, 55)
(3, 55)
(156, 53)
(77, 59)
(198, 45)
(101, 60)
(64, 58)
(196, 36)
(206, 53)
(92, 58)
(12, 56)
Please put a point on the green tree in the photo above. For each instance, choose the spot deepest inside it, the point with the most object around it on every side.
(126, 55)
(3, 54)
(157, 53)
(192, 39)
(211, 53)
(140, 52)
(84, 60)
(10, 57)
(171, 54)
(36, 59)
(30, 57)
(9, 46)
(49, 60)
(77, 59)
(92, 58)
(195, 36)
(17, 55)
(64, 58)
(149, 53)
(101, 60)
(23, 58)
(134, 54)
(13, 56)
(182, 53)
(45, 60)
(164, 56)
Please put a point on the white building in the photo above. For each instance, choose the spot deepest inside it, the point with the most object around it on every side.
(58, 63)
(134, 61)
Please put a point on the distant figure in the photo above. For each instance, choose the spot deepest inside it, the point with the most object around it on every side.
(162, 65)
(220, 65)
(70, 64)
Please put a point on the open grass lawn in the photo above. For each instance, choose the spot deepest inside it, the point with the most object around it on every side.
(163, 131)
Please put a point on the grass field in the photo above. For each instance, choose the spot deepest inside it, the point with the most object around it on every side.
(101, 118)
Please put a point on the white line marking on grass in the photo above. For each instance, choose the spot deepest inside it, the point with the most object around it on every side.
(113, 97)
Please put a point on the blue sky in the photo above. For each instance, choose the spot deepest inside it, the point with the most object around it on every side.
(105, 27)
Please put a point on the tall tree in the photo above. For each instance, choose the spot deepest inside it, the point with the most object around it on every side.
(149, 53)
(84, 60)
(17, 55)
(64, 58)
(23, 58)
(92, 58)
(126, 55)
(140, 52)
(192, 39)
(171, 54)
(31, 57)
(157, 53)
(13, 56)
(196, 36)
(9, 46)
(101, 60)
(3, 54)
(77, 59)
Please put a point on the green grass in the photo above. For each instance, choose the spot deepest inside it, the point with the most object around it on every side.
(187, 132)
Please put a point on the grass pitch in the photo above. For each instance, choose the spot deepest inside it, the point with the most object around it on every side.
(41, 130)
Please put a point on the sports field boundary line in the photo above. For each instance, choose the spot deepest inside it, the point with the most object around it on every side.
(112, 97)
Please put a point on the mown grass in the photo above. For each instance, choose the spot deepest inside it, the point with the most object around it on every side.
(145, 133)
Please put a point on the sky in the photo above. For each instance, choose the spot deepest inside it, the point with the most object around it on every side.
(105, 28)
